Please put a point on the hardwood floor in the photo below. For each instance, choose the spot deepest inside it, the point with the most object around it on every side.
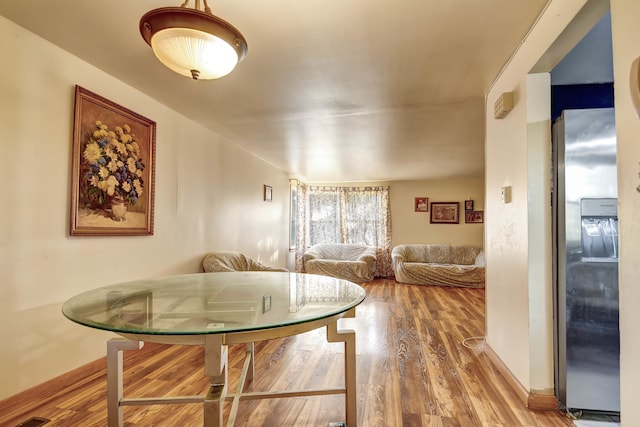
(413, 370)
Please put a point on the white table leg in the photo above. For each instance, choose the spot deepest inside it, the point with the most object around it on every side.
(115, 347)
(215, 367)
(349, 338)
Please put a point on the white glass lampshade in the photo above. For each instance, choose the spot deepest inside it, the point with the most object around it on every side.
(188, 51)
(193, 43)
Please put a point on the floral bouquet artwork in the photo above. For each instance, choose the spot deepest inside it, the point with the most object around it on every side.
(113, 169)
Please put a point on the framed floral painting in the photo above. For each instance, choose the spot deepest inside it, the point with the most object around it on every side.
(112, 169)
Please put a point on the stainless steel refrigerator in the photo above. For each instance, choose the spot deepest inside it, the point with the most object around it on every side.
(587, 339)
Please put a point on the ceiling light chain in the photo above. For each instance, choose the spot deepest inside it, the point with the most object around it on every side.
(207, 9)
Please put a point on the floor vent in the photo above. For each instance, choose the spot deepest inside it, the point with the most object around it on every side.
(34, 422)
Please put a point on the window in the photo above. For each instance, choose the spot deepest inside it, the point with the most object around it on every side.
(356, 215)
(293, 216)
(323, 217)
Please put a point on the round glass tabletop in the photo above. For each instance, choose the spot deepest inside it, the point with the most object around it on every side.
(210, 303)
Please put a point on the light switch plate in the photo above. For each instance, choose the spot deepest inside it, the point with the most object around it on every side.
(505, 194)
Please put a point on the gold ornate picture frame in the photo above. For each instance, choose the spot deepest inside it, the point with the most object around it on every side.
(112, 169)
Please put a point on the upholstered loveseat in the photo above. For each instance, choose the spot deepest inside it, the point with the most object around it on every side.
(232, 261)
(432, 264)
(356, 263)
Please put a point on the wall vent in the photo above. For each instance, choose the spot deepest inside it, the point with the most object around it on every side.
(503, 105)
(34, 422)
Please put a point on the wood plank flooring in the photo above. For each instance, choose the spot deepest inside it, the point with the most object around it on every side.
(413, 370)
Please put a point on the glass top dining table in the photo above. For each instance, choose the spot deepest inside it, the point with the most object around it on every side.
(216, 310)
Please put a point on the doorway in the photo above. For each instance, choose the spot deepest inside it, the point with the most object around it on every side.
(583, 80)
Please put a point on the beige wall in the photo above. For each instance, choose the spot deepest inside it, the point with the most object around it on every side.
(509, 242)
(409, 226)
(518, 280)
(208, 197)
(540, 261)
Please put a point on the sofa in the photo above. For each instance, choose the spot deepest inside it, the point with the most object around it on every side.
(435, 264)
(232, 261)
(355, 263)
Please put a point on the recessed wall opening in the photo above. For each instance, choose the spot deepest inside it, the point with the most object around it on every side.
(583, 193)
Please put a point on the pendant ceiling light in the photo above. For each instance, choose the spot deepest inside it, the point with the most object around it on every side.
(192, 42)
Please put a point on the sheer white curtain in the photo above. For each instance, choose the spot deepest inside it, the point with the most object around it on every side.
(357, 215)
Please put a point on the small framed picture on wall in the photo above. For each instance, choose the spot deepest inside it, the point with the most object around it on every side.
(474, 217)
(421, 204)
(468, 205)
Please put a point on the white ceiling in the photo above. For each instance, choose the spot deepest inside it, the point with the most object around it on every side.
(333, 90)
